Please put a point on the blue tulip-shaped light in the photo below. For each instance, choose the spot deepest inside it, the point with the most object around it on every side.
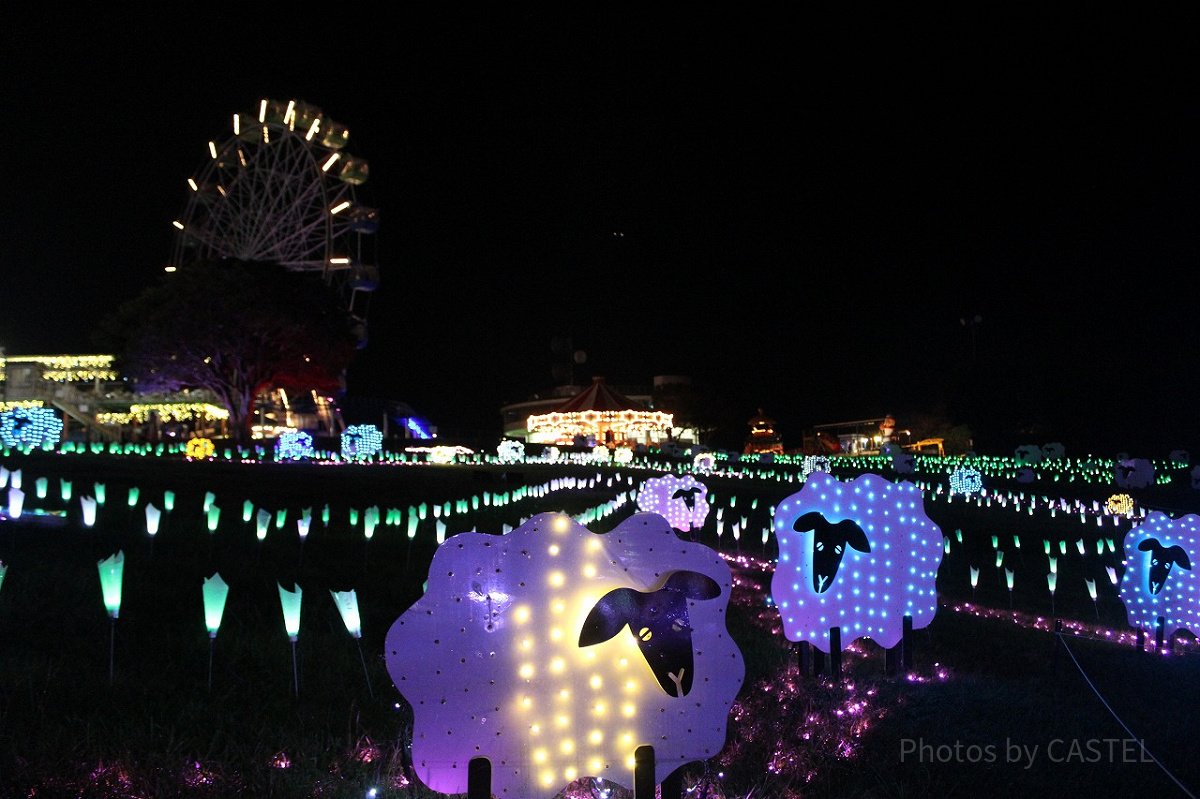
(215, 593)
(290, 602)
(153, 517)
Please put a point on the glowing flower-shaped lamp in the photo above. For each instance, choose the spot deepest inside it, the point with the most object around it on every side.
(16, 502)
(64, 487)
(168, 501)
(41, 486)
(111, 572)
(247, 511)
(303, 524)
(88, 506)
(153, 516)
(215, 593)
(290, 602)
(262, 523)
(132, 499)
(101, 493)
(214, 516)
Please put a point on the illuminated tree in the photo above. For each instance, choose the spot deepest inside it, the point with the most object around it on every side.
(233, 329)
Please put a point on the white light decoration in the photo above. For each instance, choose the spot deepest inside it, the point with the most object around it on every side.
(361, 442)
(622, 456)
(30, 427)
(510, 451)
(966, 480)
(704, 463)
(1162, 557)
(294, 446)
(537, 650)
(815, 463)
(682, 501)
(601, 454)
(859, 555)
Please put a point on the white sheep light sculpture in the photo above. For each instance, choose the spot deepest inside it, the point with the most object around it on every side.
(682, 501)
(859, 556)
(518, 652)
(1160, 580)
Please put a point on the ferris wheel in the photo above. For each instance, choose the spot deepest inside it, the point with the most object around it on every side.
(281, 189)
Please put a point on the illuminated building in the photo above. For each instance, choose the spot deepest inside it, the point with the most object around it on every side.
(763, 437)
(599, 415)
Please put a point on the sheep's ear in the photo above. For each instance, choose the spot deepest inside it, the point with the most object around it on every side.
(1180, 556)
(1149, 544)
(693, 585)
(807, 522)
(608, 616)
(854, 535)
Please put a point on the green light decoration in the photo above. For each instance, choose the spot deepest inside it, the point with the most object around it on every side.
(3, 569)
(974, 580)
(423, 510)
(247, 511)
(347, 605)
(133, 496)
(1080, 546)
(412, 526)
(215, 593)
(325, 516)
(41, 485)
(995, 542)
(153, 516)
(370, 520)
(303, 524)
(1054, 565)
(354, 517)
(64, 487)
(1046, 545)
(290, 601)
(1016, 542)
(1062, 547)
(101, 493)
(209, 499)
(169, 501)
(280, 518)
(958, 535)
(441, 532)
(16, 501)
(88, 506)
(111, 571)
(214, 516)
(999, 558)
(262, 523)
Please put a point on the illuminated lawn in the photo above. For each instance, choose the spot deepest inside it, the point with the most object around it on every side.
(990, 708)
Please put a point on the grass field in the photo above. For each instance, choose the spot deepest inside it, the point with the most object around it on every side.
(149, 705)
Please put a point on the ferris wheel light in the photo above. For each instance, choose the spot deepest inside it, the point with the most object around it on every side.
(289, 116)
(262, 111)
(237, 125)
(192, 183)
(312, 130)
(266, 135)
(339, 260)
(342, 206)
(178, 224)
(221, 189)
(168, 268)
(332, 160)
(212, 148)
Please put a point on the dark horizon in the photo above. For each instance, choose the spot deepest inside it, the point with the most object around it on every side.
(797, 210)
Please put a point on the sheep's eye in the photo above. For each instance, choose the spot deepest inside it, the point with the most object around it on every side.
(838, 549)
(820, 546)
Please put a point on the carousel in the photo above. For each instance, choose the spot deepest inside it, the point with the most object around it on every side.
(600, 415)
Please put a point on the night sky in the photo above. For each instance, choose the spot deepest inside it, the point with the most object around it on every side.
(808, 206)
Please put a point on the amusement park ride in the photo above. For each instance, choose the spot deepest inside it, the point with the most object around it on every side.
(281, 189)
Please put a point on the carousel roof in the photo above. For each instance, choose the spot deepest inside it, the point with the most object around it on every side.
(598, 397)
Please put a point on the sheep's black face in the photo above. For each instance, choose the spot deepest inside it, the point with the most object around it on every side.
(659, 620)
(829, 545)
(1162, 559)
(687, 496)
